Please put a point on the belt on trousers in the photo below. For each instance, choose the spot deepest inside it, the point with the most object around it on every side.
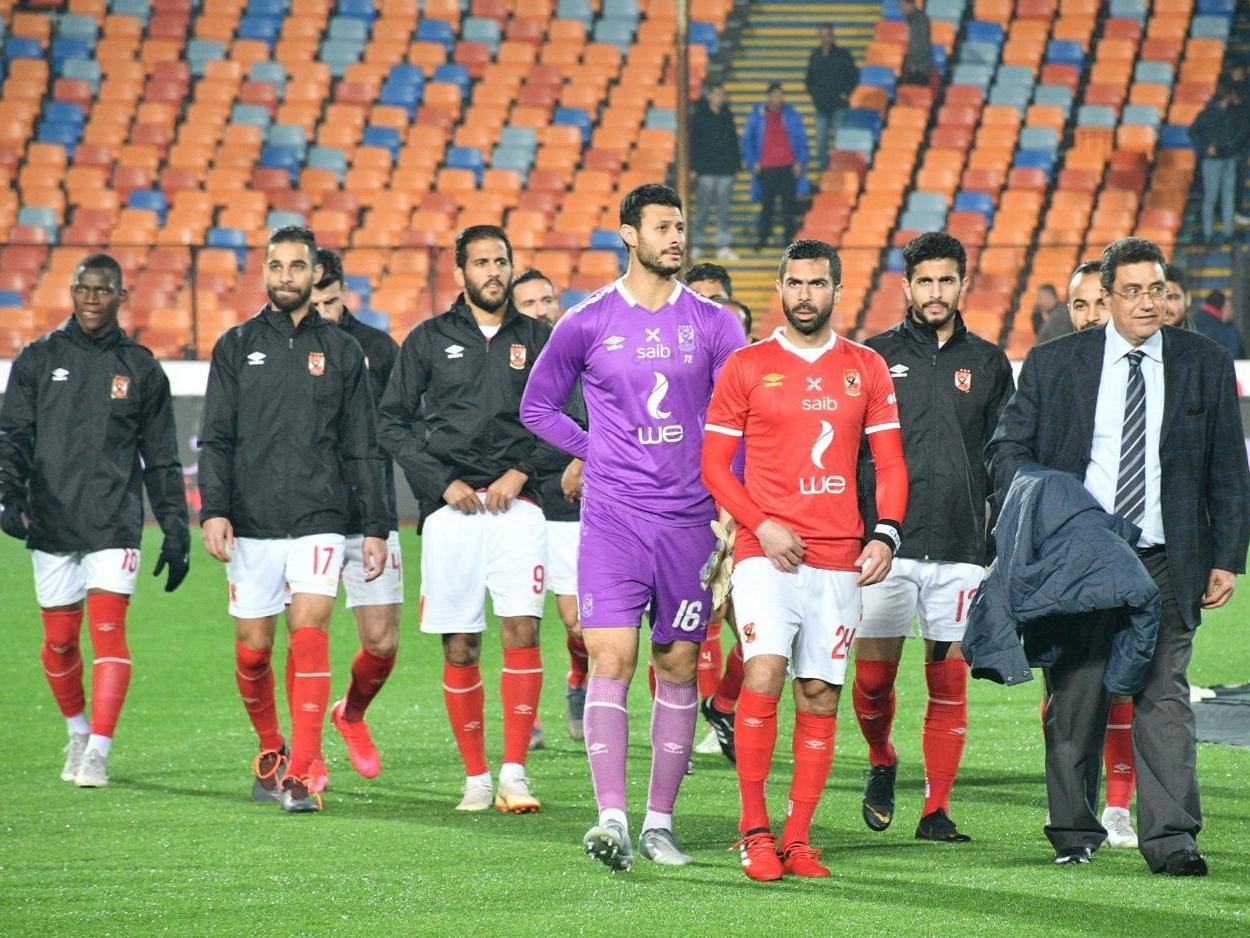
(1152, 551)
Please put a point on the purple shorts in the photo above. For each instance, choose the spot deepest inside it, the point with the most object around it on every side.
(625, 562)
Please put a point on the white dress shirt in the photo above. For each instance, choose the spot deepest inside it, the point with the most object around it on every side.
(1103, 472)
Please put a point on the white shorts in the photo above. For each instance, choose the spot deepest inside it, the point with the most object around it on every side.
(939, 593)
(809, 617)
(562, 538)
(264, 571)
(463, 556)
(63, 579)
(387, 589)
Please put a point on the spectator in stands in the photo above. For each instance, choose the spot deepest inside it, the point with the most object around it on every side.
(831, 77)
(918, 62)
(1221, 135)
(775, 147)
(1176, 303)
(1046, 307)
(1214, 319)
(714, 160)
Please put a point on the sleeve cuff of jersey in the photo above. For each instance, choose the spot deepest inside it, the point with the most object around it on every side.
(727, 431)
(877, 428)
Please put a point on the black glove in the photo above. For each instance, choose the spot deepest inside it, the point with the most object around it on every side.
(13, 520)
(178, 558)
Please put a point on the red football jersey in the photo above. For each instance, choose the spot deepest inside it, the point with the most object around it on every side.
(803, 414)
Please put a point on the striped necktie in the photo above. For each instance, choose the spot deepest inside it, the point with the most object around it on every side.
(1130, 491)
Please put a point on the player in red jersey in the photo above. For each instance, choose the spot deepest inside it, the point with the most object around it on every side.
(803, 402)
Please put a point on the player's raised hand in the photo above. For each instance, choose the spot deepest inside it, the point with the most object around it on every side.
(874, 563)
(781, 545)
(501, 493)
(373, 551)
(218, 534)
(571, 481)
(461, 497)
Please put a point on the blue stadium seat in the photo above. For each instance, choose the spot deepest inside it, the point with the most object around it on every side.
(279, 219)
(387, 138)
(10, 298)
(573, 117)
(280, 158)
(1053, 96)
(894, 260)
(64, 112)
(705, 35)
(878, 76)
(1175, 137)
(975, 75)
(1095, 115)
(978, 53)
(19, 47)
(1065, 52)
(153, 200)
(436, 31)
(1035, 159)
(331, 158)
(454, 75)
(66, 135)
(233, 239)
(1146, 115)
(466, 158)
(78, 26)
(349, 28)
(980, 31)
(1209, 27)
(202, 51)
(861, 119)
(570, 298)
(575, 10)
(483, 30)
(64, 49)
(359, 9)
(87, 70)
(403, 75)
(256, 115)
(400, 95)
(371, 317)
(981, 202)
(519, 138)
(260, 29)
(1153, 73)
(1216, 7)
(513, 158)
(288, 135)
(274, 8)
(358, 285)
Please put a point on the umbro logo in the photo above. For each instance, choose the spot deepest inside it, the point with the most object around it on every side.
(597, 749)
(106, 627)
(311, 708)
(675, 748)
(256, 358)
(614, 343)
(898, 371)
(523, 709)
(455, 351)
(815, 744)
(472, 726)
(251, 700)
(753, 721)
(60, 374)
(773, 380)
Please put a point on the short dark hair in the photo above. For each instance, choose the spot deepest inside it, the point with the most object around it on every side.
(533, 274)
(775, 86)
(711, 272)
(331, 268)
(1127, 251)
(295, 234)
(1048, 286)
(1177, 275)
(100, 261)
(1086, 267)
(934, 246)
(1216, 298)
(649, 194)
(479, 233)
(809, 249)
(732, 303)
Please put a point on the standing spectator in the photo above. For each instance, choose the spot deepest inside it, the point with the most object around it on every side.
(1221, 134)
(831, 77)
(1214, 319)
(918, 62)
(714, 159)
(775, 148)
(1046, 307)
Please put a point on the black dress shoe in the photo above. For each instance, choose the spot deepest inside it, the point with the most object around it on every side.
(1073, 855)
(1185, 863)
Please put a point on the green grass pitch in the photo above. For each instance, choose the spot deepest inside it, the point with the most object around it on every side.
(174, 846)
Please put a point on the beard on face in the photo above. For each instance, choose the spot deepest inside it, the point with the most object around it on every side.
(284, 304)
(481, 302)
(807, 328)
(935, 321)
(657, 262)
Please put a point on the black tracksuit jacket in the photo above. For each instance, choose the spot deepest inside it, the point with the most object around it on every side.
(289, 443)
(86, 425)
(550, 490)
(380, 354)
(949, 401)
(452, 407)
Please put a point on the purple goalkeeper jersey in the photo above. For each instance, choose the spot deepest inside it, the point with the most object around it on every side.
(647, 379)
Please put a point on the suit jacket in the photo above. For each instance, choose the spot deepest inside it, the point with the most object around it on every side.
(1205, 483)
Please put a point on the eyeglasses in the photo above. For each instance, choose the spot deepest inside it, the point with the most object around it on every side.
(1135, 293)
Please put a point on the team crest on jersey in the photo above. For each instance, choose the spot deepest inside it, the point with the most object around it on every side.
(773, 380)
(234, 592)
(748, 632)
(850, 381)
(685, 338)
(516, 357)
(316, 363)
(121, 388)
(588, 605)
(963, 380)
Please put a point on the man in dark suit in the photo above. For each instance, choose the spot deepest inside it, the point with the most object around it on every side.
(1136, 409)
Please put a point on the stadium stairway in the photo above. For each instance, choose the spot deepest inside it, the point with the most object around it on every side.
(774, 46)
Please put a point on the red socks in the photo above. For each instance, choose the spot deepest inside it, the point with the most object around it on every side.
(755, 738)
(465, 700)
(519, 689)
(813, 758)
(254, 675)
(579, 661)
(711, 660)
(62, 661)
(110, 671)
(310, 696)
(369, 673)
(945, 730)
(1118, 755)
(873, 697)
(730, 686)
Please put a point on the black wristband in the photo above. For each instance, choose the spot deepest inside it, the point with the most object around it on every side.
(887, 532)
